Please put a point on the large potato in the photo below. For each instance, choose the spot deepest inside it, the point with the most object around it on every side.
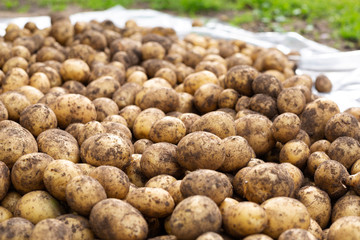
(348, 205)
(345, 228)
(15, 102)
(104, 86)
(241, 79)
(345, 150)
(16, 228)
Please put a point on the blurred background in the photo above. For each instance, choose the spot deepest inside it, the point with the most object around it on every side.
(331, 22)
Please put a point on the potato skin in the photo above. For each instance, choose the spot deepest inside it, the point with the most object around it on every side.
(163, 98)
(75, 69)
(195, 80)
(18, 227)
(144, 121)
(194, 216)
(285, 127)
(79, 226)
(345, 228)
(295, 152)
(4, 180)
(51, 229)
(347, 205)
(345, 150)
(123, 221)
(241, 78)
(167, 129)
(297, 233)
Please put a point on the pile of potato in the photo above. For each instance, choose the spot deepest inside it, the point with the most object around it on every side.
(133, 133)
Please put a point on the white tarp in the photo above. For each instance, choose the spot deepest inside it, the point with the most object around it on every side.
(343, 68)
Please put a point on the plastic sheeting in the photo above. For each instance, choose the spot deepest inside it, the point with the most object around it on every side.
(343, 68)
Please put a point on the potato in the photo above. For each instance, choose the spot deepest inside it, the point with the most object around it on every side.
(104, 86)
(133, 171)
(165, 99)
(285, 127)
(151, 50)
(79, 226)
(138, 77)
(345, 228)
(16, 77)
(105, 107)
(161, 181)
(329, 177)
(314, 160)
(94, 39)
(167, 129)
(5, 214)
(355, 111)
(188, 119)
(348, 205)
(74, 129)
(295, 173)
(62, 31)
(100, 70)
(295, 152)
(297, 233)
(16, 228)
(90, 129)
(48, 53)
(31, 93)
(355, 167)
(206, 97)
(75, 87)
(240, 78)
(315, 116)
(352, 181)
(291, 100)
(263, 104)
(120, 130)
(258, 236)
(209, 183)
(36, 206)
(4, 180)
(256, 129)
(15, 102)
(15, 62)
(210, 236)
(10, 200)
(51, 229)
(284, 213)
(4, 115)
(75, 69)
(129, 113)
(195, 80)
(125, 95)
(144, 121)
(267, 84)
(122, 221)
(323, 83)
(115, 182)
(15, 141)
(141, 144)
(265, 181)
(28, 171)
(160, 158)
(199, 150)
(345, 150)
(341, 124)
(320, 145)
(174, 190)
(238, 181)
(105, 149)
(59, 144)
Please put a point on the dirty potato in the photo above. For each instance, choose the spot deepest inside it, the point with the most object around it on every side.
(295, 152)
(16, 226)
(345, 150)
(167, 129)
(79, 226)
(285, 127)
(51, 229)
(4, 180)
(144, 121)
(105, 107)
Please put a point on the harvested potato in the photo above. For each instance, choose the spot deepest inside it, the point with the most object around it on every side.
(28, 171)
(188, 119)
(105, 149)
(129, 113)
(341, 124)
(4, 180)
(120, 130)
(355, 111)
(291, 100)
(90, 129)
(320, 145)
(14, 78)
(94, 39)
(75, 69)
(74, 129)
(144, 121)
(256, 129)
(228, 98)
(104, 86)
(168, 74)
(194, 216)
(348, 205)
(345, 228)
(160, 181)
(295, 152)
(15, 102)
(295, 173)
(285, 127)
(258, 236)
(141, 144)
(297, 233)
(31, 93)
(314, 160)
(200, 150)
(122, 221)
(165, 99)
(10, 200)
(240, 78)
(210, 236)
(284, 213)
(4, 115)
(15, 62)
(17, 227)
(59, 144)
(355, 167)
(239, 180)
(167, 129)
(323, 84)
(62, 31)
(195, 80)
(75, 87)
(51, 229)
(138, 77)
(174, 190)
(151, 50)
(186, 103)
(125, 95)
(36, 206)
(345, 150)
(115, 181)
(133, 171)
(206, 97)
(105, 107)
(329, 177)
(265, 181)
(267, 84)
(263, 104)
(4, 215)
(79, 226)
(47, 53)
(209, 183)
(352, 181)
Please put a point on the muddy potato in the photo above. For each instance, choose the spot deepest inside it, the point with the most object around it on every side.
(51, 229)
(240, 78)
(297, 233)
(104, 86)
(348, 205)
(52, 75)
(138, 77)
(345, 228)
(75, 69)
(59, 144)
(168, 74)
(125, 95)
(266, 181)
(256, 129)
(144, 121)
(317, 203)
(4, 180)
(20, 51)
(323, 84)
(167, 129)
(118, 129)
(73, 86)
(237, 153)
(355, 111)
(174, 190)
(194, 216)
(79, 226)
(285, 127)
(200, 150)
(263, 104)
(105, 107)
(120, 221)
(186, 103)
(329, 177)
(49, 53)
(210, 236)
(320, 145)
(16, 77)
(10, 200)
(105, 149)
(115, 119)
(28, 171)
(188, 119)
(209, 183)
(4, 214)
(291, 100)
(165, 99)
(345, 150)
(315, 116)
(284, 213)
(160, 181)
(4, 115)
(295, 173)
(238, 181)
(141, 145)
(129, 113)
(228, 98)
(31, 93)
(15, 141)
(160, 158)
(94, 39)
(341, 124)
(100, 70)
(295, 152)
(134, 173)
(314, 160)
(258, 236)
(15, 228)
(151, 50)
(15, 62)
(36, 206)
(267, 84)
(74, 129)
(15, 102)
(133, 69)
(90, 129)
(206, 97)
(195, 80)
(355, 167)
(62, 31)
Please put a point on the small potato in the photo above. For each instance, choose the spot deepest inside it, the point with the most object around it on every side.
(165, 99)
(291, 100)
(152, 50)
(256, 129)
(104, 86)
(314, 160)
(285, 127)
(210, 236)
(237, 153)
(129, 113)
(160, 181)
(206, 97)
(52, 75)
(317, 203)
(167, 129)
(244, 218)
(47, 53)
(240, 78)
(74, 129)
(134, 173)
(82, 193)
(144, 121)
(94, 39)
(168, 74)
(151, 202)
(14, 78)
(62, 31)
(320, 145)
(141, 144)
(105, 107)
(70, 108)
(105, 149)
(57, 174)
(228, 98)
(238, 181)
(186, 103)
(345, 150)
(17, 227)
(345, 228)
(242, 103)
(295, 152)
(341, 124)
(116, 119)
(188, 119)
(284, 213)
(195, 80)
(266, 181)
(296, 233)
(4, 180)
(20, 51)
(215, 67)
(219, 123)
(15, 102)
(209, 183)
(119, 220)
(304, 80)
(174, 190)
(10, 200)
(75, 69)
(101, 70)
(15, 62)
(115, 182)
(200, 150)
(79, 226)
(75, 87)
(36, 206)
(194, 216)
(28, 171)
(59, 144)
(323, 84)
(4, 215)
(295, 173)
(138, 77)
(267, 84)
(160, 158)
(51, 229)
(90, 129)
(348, 205)
(263, 104)
(329, 177)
